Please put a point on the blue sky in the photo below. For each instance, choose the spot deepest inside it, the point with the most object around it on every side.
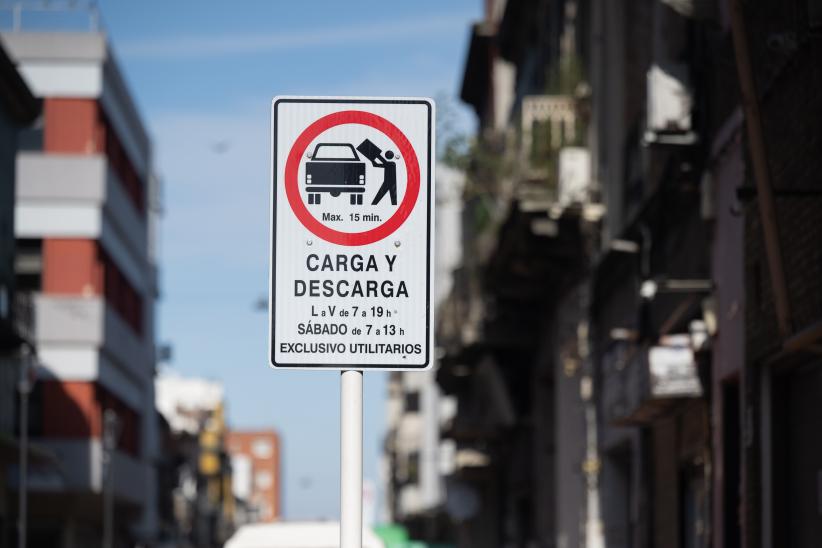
(203, 75)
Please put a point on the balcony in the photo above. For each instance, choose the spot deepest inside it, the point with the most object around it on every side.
(77, 469)
(82, 338)
(559, 112)
(643, 383)
(80, 196)
(555, 169)
(77, 181)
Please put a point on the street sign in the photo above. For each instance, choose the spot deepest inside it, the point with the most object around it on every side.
(352, 233)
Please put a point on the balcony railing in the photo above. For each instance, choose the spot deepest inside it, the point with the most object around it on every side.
(50, 16)
(550, 155)
(558, 111)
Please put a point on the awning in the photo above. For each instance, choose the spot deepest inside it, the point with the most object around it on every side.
(477, 73)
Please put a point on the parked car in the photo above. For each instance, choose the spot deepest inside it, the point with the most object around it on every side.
(335, 168)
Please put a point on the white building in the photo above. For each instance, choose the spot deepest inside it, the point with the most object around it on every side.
(186, 402)
(414, 458)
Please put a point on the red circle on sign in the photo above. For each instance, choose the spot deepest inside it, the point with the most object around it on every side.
(292, 166)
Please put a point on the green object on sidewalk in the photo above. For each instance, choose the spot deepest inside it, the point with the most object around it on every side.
(394, 536)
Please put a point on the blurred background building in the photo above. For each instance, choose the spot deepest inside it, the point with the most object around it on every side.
(632, 336)
(198, 503)
(79, 216)
(84, 208)
(629, 297)
(255, 464)
(415, 461)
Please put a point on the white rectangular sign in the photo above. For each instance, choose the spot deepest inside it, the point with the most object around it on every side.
(352, 233)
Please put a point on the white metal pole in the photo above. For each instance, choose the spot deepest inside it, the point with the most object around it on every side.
(351, 459)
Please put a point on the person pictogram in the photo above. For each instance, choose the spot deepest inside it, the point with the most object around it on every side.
(389, 183)
(386, 163)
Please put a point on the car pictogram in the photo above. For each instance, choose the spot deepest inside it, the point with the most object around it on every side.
(335, 168)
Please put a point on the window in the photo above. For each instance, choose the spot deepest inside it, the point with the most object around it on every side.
(335, 152)
(263, 480)
(121, 163)
(28, 264)
(120, 294)
(129, 421)
(413, 468)
(262, 449)
(412, 401)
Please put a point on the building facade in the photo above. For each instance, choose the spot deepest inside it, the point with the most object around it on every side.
(632, 337)
(778, 51)
(415, 455)
(512, 331)
(255, 463)
(197, 506)
(84, 221)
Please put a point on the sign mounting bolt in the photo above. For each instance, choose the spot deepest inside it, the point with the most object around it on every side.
(397, 243)
(309, 242)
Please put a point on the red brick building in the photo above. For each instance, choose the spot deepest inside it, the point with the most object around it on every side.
(255, 460)
(84, 225)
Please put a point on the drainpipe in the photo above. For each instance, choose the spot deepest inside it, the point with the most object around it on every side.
(24, 387)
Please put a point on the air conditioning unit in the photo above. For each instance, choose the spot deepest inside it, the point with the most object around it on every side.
(673, 369)
(670, 103)
(574, 175)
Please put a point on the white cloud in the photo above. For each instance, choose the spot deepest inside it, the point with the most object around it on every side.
(206, 45)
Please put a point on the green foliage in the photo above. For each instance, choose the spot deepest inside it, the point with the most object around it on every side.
(564, 77)
(567, 77)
